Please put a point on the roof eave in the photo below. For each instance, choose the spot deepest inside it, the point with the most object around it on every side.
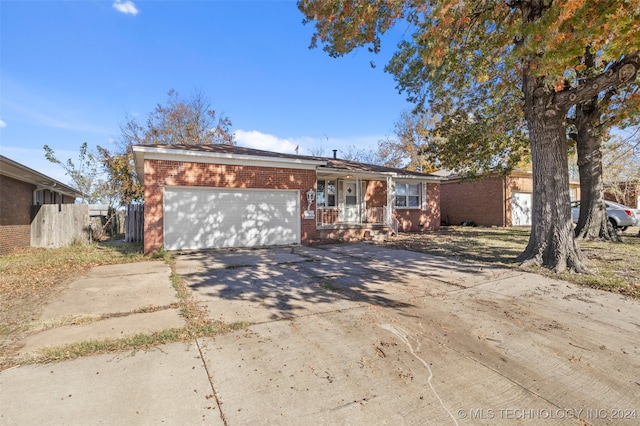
(142, 153)
(41, 181)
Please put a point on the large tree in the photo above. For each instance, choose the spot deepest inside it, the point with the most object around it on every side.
(473, 143)
(486, 50)
(181, 121)
(591, 123)
(414, 132)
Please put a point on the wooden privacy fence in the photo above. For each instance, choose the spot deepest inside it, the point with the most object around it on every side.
(134, 223)
(58, 225)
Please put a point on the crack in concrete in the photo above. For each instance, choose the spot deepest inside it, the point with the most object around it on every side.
(399, 332)
(402, 335)
(210, 379)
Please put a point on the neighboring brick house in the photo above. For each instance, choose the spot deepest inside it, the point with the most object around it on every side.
(626, 193)
(210, 196)
(494, 200)
(22, 188)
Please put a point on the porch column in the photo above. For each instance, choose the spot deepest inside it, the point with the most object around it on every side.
(391, 191)
(359, 198)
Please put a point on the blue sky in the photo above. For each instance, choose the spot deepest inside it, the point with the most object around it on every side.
(71, 70)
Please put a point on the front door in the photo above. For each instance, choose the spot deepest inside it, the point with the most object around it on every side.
(350, 201)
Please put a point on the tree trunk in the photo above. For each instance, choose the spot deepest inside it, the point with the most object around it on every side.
(551, 243)
(593, 222)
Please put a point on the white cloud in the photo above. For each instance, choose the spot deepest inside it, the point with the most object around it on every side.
(2, 124)
(322, 147)
(126, 7)
(257, 140)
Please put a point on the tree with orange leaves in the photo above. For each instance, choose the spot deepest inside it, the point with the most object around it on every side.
(482, 53)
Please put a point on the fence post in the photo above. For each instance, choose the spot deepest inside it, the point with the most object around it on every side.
(134, 223)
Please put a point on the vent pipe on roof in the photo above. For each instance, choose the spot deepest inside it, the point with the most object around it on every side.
(335, 154)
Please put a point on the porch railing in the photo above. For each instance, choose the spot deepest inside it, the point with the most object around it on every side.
(327, 217)
(373, 216)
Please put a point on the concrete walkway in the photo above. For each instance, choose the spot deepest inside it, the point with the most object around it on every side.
(111, 302)
(358, 334)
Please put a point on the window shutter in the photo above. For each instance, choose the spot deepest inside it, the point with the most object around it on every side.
(424, 196)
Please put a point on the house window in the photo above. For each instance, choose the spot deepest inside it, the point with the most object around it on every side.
(408, 195)
(326, 193)
(39, 198)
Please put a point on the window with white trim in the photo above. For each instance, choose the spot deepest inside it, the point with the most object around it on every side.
(408, 195)
(39, 197)
(326, 193)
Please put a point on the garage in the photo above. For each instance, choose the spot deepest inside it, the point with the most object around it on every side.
(521, 209)
(204, 217)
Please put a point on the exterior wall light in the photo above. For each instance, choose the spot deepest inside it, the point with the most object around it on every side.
(310, 214)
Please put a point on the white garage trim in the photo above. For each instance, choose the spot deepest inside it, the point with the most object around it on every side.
(203, 217)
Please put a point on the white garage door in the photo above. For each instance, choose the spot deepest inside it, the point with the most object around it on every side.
(198, 218)
(521, 209)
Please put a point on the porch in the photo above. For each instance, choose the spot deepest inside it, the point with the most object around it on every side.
(358, 202)
(373, 218)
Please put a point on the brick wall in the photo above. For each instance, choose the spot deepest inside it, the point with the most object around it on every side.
(15, 214)
(432, 219)
(482, 202)
(159, 174)
(13, 237)
(376, 193)
(575, 191)
(412, 220)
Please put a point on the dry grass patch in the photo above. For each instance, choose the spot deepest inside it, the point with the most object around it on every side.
(31, 276)
(616, 266)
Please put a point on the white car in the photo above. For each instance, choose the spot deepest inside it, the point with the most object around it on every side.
(621, 217)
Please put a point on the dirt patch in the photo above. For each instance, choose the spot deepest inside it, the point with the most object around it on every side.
(616, 266)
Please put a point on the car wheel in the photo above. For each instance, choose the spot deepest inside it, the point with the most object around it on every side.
(613, 223)
(624, 228)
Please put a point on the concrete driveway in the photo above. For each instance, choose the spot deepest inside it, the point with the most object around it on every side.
(361, 334)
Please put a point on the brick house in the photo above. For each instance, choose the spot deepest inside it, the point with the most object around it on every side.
(211, 196)
(626, 193)
(21, 190)
(494, 200)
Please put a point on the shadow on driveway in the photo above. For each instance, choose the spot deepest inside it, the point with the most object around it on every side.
(259, 285)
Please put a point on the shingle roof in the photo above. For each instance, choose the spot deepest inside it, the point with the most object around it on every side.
(331, 163)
